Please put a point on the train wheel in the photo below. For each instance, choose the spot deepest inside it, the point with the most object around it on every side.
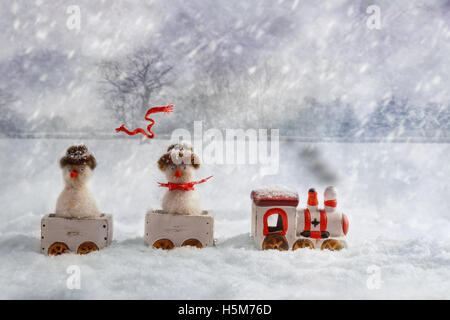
(332, 245)
(165, 244)
(58, 248)
(193, 243)
(275, 241)
(303, 243)
(87, 247)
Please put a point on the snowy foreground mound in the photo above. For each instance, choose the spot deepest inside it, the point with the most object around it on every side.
(395, 195)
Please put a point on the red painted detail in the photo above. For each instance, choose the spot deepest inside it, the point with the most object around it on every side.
(262, 200)
(150, 134)
(284, 218)
(323, 220)
(307, 220)
(73, 174)
(344, 224)
(312, 199)
(323, 224)
(316, 235)
(178, 173)
(331, 203)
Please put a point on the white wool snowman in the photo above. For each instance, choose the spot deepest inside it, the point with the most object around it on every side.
(76, 201)
(179, 165)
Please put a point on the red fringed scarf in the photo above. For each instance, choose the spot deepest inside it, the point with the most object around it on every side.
(182, 186)
(150, 135)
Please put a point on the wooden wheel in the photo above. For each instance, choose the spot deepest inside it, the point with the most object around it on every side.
(275, 241)
(87, 247)
(193, 243)
(303, 243)
(58, 248)
(332, 245)
(165, 244)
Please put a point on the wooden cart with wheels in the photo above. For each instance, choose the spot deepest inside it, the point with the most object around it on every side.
(167, 231)
(63, 235)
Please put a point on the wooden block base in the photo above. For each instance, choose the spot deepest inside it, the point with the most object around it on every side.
(63, 235)
(166, 231)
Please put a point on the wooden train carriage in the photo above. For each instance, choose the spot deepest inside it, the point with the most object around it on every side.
(274, 218)
(63, 235)
(166, 231)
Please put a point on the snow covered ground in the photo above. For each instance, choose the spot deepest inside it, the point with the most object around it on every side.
(395, 195)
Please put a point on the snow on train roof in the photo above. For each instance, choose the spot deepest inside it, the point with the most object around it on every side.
(274, 196)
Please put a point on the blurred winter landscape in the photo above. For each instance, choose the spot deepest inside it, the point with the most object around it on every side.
(364, 109)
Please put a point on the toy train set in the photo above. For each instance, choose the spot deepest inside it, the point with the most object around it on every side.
(276, 222)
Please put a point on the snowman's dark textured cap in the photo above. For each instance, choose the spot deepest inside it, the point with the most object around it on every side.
(178, 150)
(78, 155)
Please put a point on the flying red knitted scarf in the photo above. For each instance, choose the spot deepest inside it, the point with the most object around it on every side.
(182, 186)
(168, 109)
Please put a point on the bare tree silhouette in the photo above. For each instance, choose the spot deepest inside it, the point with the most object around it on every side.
(129, 85)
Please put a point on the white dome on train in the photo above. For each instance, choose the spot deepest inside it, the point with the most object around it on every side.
(330, 193)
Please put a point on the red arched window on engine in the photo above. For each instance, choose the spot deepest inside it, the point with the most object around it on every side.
(282, 222)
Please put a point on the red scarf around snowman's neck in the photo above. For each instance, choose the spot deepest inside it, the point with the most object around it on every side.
(189, 186)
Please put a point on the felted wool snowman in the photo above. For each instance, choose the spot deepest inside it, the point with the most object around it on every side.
(179, 164)
(76, 201)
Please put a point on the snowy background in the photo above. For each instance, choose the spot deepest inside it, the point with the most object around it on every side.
(364, 109)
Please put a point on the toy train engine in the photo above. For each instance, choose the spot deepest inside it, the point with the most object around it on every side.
(278, 224)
